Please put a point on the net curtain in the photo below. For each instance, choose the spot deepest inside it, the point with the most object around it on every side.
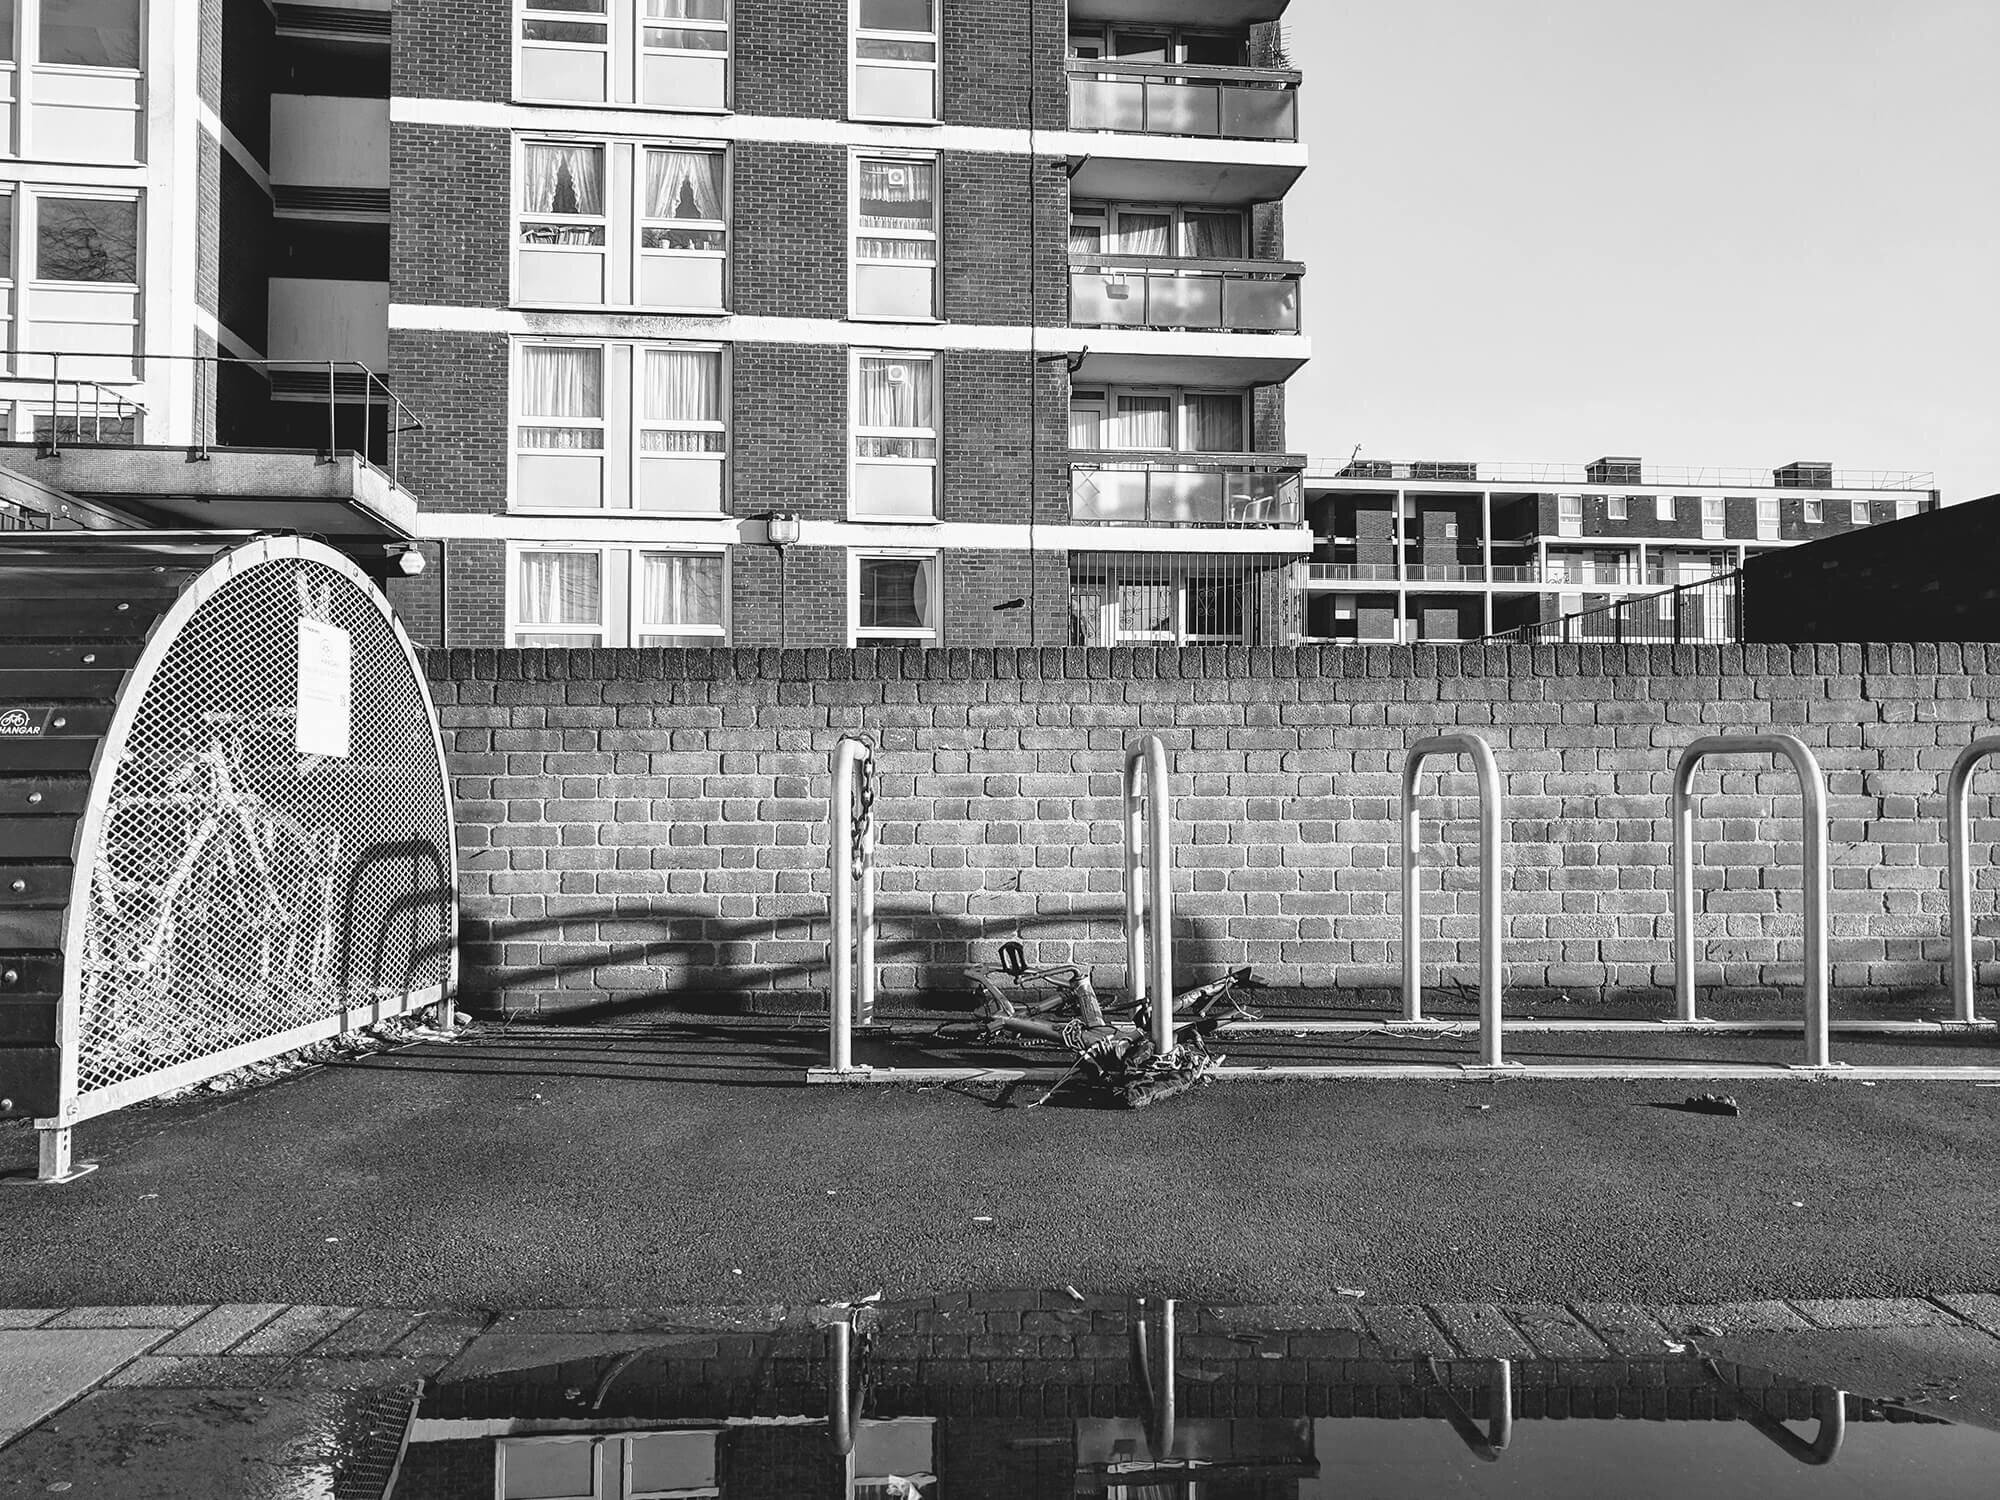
(684, 185)
(560, 588)
(562, 180)
(558, 382)
(683, 385)
(681, 589)
(898, 197)
(896, 593)
(896, 393)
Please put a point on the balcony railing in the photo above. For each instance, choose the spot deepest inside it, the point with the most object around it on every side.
(1157, 291)
(1253, 104)
(1562, 578)
(1189, 489)
(1651, 476)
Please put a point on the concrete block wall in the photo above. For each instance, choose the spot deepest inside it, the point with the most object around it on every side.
(643, 823)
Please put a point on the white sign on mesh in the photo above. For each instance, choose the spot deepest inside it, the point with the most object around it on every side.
(326, 689)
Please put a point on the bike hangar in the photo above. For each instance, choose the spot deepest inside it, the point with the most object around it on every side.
(226, 826)
(1148, 923)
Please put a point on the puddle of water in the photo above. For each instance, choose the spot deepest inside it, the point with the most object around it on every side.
(1037, 1395)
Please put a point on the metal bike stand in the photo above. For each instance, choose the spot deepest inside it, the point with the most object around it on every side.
(1490, 875)
(1958, 791)
(1485, 1446)
(852, 940)
(1156, 1377)
(1829, 1410)
(1812, 815)
(1149, 902)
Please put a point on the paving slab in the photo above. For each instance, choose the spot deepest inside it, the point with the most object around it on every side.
(371, 1331)
(1555, 1332)
(1406, 1330)
(1874, 1312)
(295, 1330)
(1729, 1317)
(26, 1317)
(170, 1317)
(1482, 1331)
(222, 1328)
(44, 1369)
(1626, 1330)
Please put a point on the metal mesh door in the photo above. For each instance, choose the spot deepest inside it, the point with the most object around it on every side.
(239, 889)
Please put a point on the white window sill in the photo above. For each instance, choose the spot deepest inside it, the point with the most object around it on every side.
(855, 317)
(623, 310)
(931, 123)
(866, 520)
(710, 111)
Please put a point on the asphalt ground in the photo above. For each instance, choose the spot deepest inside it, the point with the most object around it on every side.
(629, 1164)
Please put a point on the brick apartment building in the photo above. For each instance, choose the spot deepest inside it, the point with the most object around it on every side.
(1409, 552)
(986, 299)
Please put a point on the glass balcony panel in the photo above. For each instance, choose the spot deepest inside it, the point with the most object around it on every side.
(1260, 114)
(1108, 495)
(1188, 497)
(1098, 299)
(1183, 109)
(1260, 306)
(1182, 301)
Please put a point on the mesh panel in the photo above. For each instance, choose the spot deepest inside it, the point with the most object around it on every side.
(240, 890)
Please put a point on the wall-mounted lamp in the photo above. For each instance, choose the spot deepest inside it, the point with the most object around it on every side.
(407, 558)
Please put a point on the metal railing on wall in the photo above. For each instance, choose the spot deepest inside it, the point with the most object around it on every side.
(1707, 612)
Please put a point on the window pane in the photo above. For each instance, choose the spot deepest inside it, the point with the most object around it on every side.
(687, 10)
(91, 33)
(683, 385)
(1215, 424)
(684, 185)
(1145, 422)
(587, 7)
(559, 382)
(88, 239)
(896, 593)
(897, 194)
(896, 15)
(563, 31)
(895, 393)
(1215, 236)
(679, 589)
(6, 236)
(560, 588)
(562, 180)
(6, 30)
(683, 39)
(1145, 234)
(880, 49)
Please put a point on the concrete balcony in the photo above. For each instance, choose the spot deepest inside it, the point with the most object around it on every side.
(1166, 292)
(1230, 15)
(1121, 488)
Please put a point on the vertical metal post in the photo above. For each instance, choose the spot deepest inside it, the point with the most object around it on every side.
(55, 403)
(849, 756)
(1157, 1376)
(332, 438)
(840, 1386)
(1958, 786)
(1491, 873)
(1149, 905)
(1812, 815)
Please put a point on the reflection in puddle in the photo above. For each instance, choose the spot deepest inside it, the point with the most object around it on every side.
(953, 1400)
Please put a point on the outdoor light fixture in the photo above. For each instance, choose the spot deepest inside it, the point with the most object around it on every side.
(409, 559)
(781, 529)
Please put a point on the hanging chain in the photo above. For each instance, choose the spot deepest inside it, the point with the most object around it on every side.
(864, 803)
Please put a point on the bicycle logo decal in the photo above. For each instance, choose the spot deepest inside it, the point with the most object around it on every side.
(19, 723)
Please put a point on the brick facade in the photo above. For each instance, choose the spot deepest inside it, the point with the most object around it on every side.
(450, 234)
(643, 822)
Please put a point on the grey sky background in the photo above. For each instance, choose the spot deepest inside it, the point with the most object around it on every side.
(1710, 233)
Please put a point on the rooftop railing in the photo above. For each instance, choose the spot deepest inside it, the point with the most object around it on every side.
(1157, 291)
(1554, 577)
(1256, 104)
(1651, 477)
(1114, 488)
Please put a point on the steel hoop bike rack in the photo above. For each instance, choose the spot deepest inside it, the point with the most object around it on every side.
(1149, 886)
(851, 846)
(1958, 788)
(1485, 1446)
(1491, 845)
(1155, 1372)
(1812, 815)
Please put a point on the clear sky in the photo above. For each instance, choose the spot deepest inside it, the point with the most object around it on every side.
(1707, 232)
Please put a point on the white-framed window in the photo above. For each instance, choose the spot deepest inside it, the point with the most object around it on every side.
(1767, 518)
(70, 271)
(72, 76)
(678, 1463)
(586, 594)
(1159, 44)
(895, 62)
(894, 598)
(1159, 229)
(1905, 509)
(1614, 508)
(1164, 419)
(603, 222)
(1857, 512)
(1451, 531)
(618, 425)
(1712, 516)
(683, 228)
(1815, 512)
(896, 222)
(662, 54)
(1569, 515)
(894, 412)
